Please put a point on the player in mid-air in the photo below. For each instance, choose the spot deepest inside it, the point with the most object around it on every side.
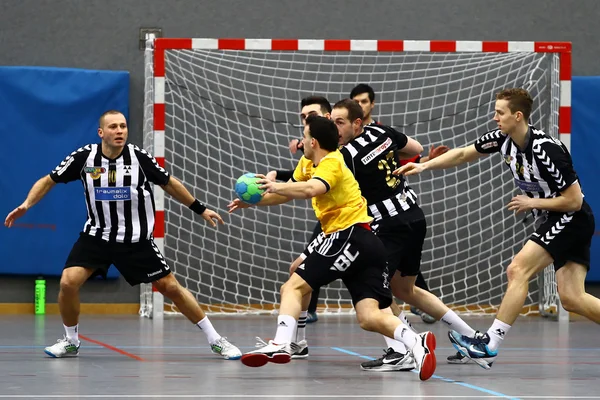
(542, 168)
(346, 249)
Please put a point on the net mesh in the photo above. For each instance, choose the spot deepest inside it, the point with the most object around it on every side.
(231, 112)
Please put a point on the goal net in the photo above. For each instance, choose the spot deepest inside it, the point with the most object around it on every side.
(216, 109)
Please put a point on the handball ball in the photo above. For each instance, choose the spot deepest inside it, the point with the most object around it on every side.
(247, 189)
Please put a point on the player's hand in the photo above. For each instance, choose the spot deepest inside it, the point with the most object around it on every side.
(267, 185)
(409, 169)
(295, 145)
(14, 214)
(212, 217)
(272, 176)
(520, 204)
(437, 151)
(236, 204)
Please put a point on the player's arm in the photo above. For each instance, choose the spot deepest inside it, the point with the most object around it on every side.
(411, 149)
(434, 152)
(180, 193)
(282, 175)
(294, 190)
(569, 200)
(451, 158)
(36, 193)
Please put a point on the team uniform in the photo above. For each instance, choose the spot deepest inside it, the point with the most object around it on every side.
(346, 248)
(542, 170)
(397, 218)
(120, 221)
(120, 212)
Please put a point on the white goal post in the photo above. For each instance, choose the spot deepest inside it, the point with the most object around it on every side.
(217, 108)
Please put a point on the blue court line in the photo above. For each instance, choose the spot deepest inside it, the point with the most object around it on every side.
(467, 385)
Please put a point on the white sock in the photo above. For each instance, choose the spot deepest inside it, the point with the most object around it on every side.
(496, 333)
(456, 323)
(206, 327)
(301, 327)
(286, 326)
(402, 317)
(72, 333)
(398, 347)
(405, 335)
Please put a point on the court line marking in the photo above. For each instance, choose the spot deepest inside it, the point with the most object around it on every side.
(467, 385)
(108, 346)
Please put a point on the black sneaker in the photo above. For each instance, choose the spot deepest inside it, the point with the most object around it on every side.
(390, 361)
(457, 359)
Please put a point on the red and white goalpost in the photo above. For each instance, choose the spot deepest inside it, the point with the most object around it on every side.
(216, 108)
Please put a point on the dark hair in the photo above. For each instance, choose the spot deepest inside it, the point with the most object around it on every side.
(320, 100)
(363, 88)
(109, 112)
(518, 100)
(354, 110)
(324, 130)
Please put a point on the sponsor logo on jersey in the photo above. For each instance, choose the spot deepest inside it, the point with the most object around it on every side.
(94, 172)
(489, 145)
(112, 193)
(374, 153)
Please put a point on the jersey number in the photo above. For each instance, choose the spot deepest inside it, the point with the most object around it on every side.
(388, 164)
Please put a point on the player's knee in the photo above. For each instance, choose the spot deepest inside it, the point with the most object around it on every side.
(167, 286)
(569, 299)
(71, 282)
(515, 271)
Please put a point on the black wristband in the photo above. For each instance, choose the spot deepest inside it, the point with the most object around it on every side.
(197, 207)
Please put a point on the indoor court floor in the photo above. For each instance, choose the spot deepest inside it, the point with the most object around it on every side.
(132, 357)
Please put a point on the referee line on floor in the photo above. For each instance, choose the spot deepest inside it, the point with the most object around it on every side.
(467, 385)
(108, 346)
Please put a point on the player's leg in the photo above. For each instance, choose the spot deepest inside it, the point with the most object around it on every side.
(88, 257)
(571, 289)
(143, 263)
(312, 307)
(366, 278)
(280, 349)
(421, 283)
(482, 347)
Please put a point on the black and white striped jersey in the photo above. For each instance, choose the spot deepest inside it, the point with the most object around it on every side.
(542, 170)
(372, 156)
(118, 194)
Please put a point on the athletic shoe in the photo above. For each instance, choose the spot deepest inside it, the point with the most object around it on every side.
(457, 358)
(476, 348)
(311, 317)
(390, 361)
(299, 350)
(275, 353)
(428, 319)
(63, 348)
(223, 348)
(423, 352)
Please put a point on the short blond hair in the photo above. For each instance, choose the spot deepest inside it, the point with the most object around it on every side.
(518, 100)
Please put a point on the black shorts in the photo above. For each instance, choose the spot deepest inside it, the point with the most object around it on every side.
(355, 256)
(403, 241)
(567, 236)
(139, 262)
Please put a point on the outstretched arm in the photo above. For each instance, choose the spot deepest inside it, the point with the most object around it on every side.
(176, 189)
(434, 152)
(451, 158)
(37, 192)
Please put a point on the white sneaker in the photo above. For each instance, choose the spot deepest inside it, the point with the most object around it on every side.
(299, 350)
(223, 348)
(275, 353)
(423, 352)
(63, 348)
